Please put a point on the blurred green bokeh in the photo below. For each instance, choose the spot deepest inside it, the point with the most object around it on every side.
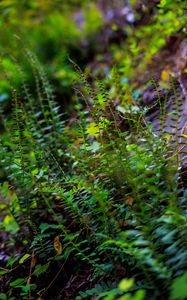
(53, 30)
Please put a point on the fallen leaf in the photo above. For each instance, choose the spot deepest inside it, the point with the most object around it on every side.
(165, 75)
(85, 219)
(57, 245)
(129, 200)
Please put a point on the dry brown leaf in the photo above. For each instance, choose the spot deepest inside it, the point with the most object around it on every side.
(129, 200)
(85, 219)
(57, 245)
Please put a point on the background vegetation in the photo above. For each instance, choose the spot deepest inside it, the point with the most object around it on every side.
(93, 164)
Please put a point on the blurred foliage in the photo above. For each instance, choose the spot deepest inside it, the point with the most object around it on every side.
(57, 30)
(53, 29)
(169, 17)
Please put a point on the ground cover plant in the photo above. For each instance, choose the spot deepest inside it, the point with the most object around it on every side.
(93, 198)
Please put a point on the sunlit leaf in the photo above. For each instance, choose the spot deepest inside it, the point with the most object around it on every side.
(165, 75)
(126, 284)
(10, 224)
(93, 129)
(24, 258)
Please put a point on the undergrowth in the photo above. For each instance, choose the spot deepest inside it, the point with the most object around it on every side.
(91, 201)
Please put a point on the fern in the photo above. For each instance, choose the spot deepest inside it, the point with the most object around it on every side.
(106, 185)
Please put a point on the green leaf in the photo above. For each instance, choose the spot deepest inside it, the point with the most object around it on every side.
(10, 224)
(3, 296)
(12, 261)
(2, 272)
(93, 129)
(94, 147)
(40, 269)
(126, 284)
(28, 287)
(24, 258)
(18, 282)
(179, 288)
(126, 297)
(35, 171)
(139, 295)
